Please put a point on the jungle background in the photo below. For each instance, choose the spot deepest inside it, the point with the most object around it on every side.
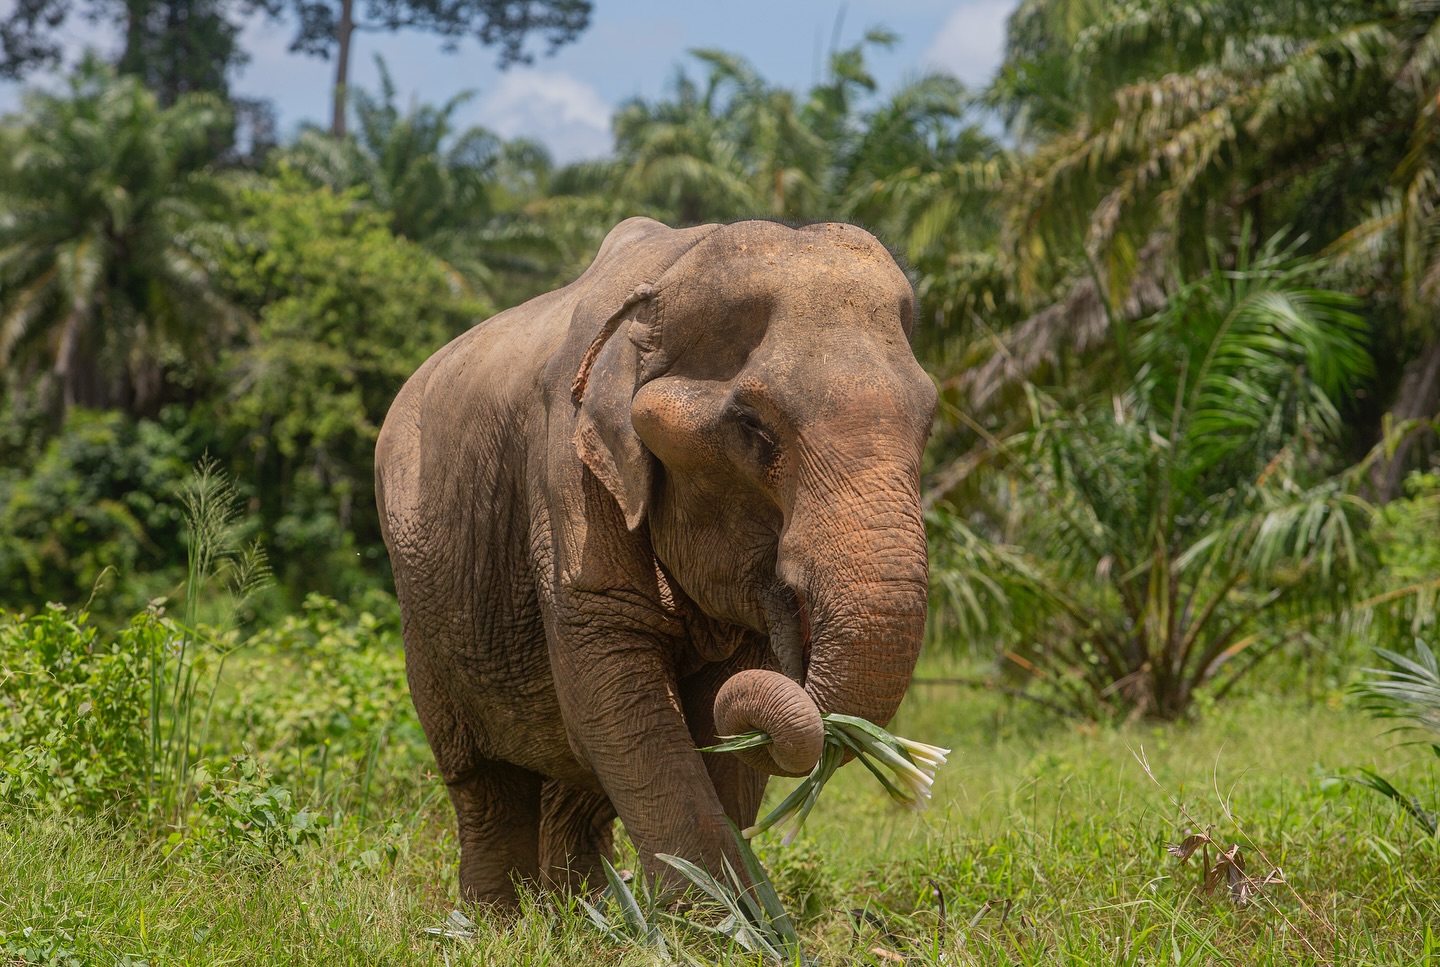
(1179, 271)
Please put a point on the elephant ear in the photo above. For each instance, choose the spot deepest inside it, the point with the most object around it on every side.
(624, 293)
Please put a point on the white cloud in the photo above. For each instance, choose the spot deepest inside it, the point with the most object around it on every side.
(971, 43)
(563, 111)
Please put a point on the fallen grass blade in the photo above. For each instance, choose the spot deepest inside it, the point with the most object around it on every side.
(755, 917)
(633, 927)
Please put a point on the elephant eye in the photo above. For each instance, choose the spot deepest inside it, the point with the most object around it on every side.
(749, 422)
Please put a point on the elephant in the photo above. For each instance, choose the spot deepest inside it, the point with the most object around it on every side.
(675, 499)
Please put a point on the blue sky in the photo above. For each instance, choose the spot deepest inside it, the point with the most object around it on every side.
(633, 47)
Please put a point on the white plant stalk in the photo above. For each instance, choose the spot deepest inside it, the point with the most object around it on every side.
(904, 767)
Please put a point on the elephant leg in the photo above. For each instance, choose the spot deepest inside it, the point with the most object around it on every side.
(497, 805)
(497, 810)
(621, 707)
(739, 787)
(577, 829)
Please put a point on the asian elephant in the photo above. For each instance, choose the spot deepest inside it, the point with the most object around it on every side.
(677, 498)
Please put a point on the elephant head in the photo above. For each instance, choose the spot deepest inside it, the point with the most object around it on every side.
(754, 402)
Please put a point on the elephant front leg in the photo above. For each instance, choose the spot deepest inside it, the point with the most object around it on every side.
(497, 811)
(739, 787)
(622, 710)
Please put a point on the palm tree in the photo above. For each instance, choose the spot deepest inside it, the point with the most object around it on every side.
(106, 207)
(923, 176)
(735, 145)
(452, 191)
(679, 158)
(1164, 523)
(1156, 126)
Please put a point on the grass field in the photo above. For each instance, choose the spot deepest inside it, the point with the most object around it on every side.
(1045, 843)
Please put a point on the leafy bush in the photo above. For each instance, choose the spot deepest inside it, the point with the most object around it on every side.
(322, 699)
(95, 719)
(74, 711)
(239, 806)
(343, 313)
(100, 495)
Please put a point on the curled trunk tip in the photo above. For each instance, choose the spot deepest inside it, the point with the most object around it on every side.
(767, 701)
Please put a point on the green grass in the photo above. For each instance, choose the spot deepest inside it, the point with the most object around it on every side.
(1046, 841)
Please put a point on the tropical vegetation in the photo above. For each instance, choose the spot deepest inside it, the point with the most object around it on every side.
(1178, 275)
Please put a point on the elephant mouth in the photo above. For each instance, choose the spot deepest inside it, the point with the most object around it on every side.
(788, 623)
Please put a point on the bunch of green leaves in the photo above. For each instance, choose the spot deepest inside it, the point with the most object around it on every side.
(241, 807)
(73, 711)
(912, 764)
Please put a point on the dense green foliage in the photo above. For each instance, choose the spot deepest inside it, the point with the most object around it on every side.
(341, 311)
(89, 510)
(1166, 523)
(74, 712)
(1074, 284)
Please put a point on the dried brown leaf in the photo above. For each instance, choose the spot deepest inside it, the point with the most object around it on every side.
(1186, 848)
(1229, 867)
(1235, 878)
(1214, 875)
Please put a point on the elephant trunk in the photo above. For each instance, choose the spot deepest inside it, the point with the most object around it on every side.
(767, 701)
(862, 593)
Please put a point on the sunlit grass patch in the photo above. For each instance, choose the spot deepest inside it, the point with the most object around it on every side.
(1045, 843)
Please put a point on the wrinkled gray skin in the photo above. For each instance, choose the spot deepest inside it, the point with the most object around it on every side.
(681, 492)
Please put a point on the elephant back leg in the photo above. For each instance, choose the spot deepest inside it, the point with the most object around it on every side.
(577, 829)
(497, 813)
(497, 804)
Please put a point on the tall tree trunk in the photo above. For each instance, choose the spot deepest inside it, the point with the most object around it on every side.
(1417, 399)
(132, 57)
(342, 66)
(68, 367)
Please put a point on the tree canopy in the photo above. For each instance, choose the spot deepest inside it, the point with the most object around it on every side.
(1181, 311)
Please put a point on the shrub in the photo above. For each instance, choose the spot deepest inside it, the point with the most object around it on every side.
(321, 697)
(74, 710)
(101, 495)
(343, 313)
(237, 807)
